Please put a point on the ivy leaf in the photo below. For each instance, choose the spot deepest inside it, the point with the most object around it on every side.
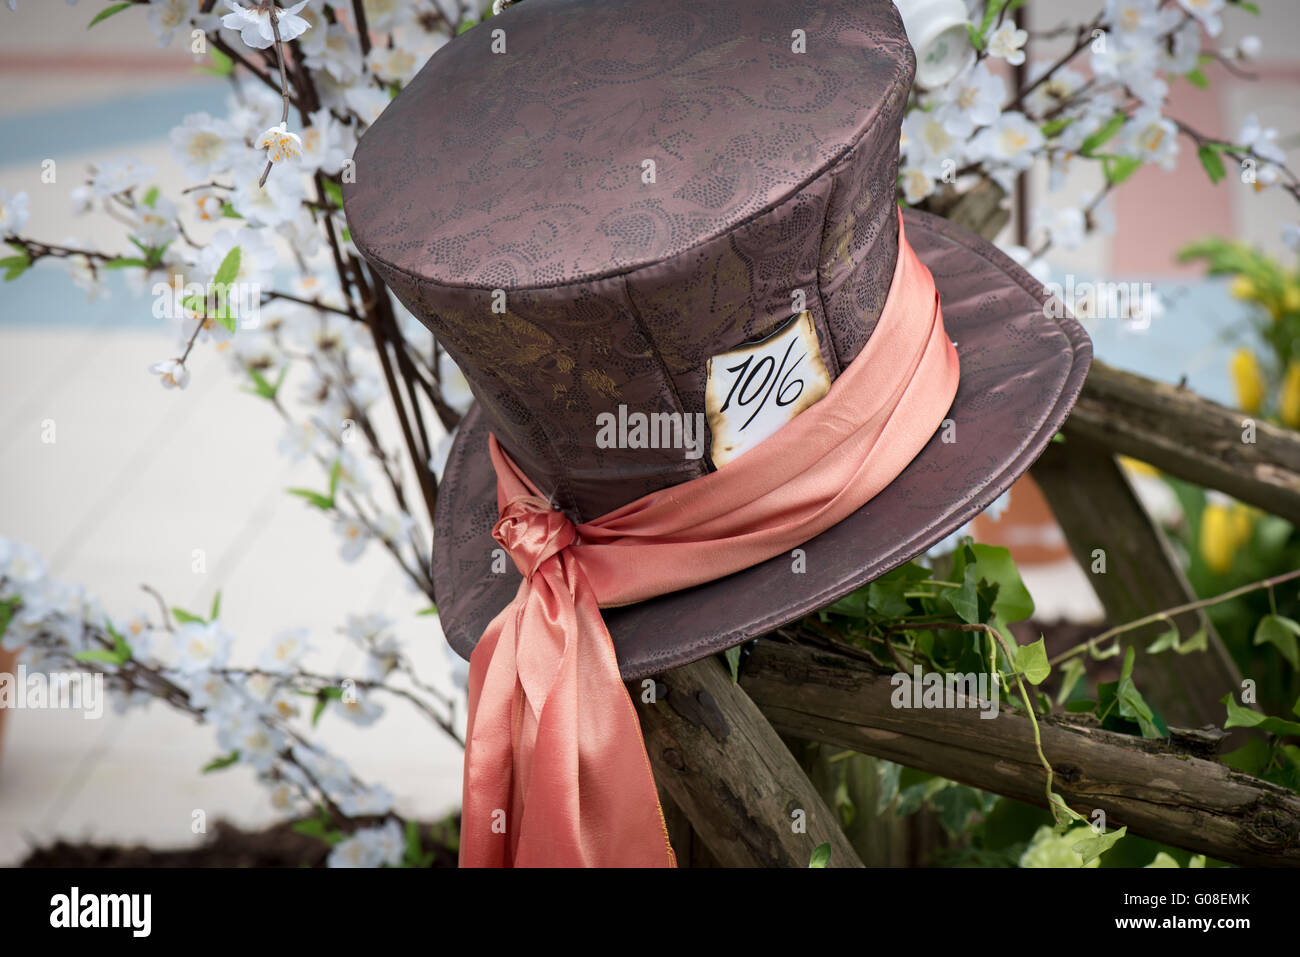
(995, 565)
(1133, 706)
(965, 600)
(1168, 640)
(108, 12)
(1282, 632)
(1242, 717)
(1031, 660)
(216, 764)
(1070, 675)
(1198, 642)
(821, 855)
(732, 655)
(1098, 844)
(1212, 162)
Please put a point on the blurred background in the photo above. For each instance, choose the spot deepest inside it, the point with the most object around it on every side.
(140, 478)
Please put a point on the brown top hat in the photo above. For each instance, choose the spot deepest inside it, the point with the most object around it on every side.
(588, 200)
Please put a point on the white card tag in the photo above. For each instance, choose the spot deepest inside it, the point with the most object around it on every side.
(754, 390)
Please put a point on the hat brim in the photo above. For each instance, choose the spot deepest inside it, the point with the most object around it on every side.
(1021, 370)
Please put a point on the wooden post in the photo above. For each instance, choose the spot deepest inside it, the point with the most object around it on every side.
(1104, 522)
(727, 770)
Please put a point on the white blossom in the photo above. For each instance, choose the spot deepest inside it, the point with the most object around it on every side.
(1263, 141)
(172, 374)
(340, 56)
(165, 17)
(280, 144)
(1206, 11)
(14, 211)
(1249, 47)
(285, 651)
(369, 847)
(1150, 137)
(257, 742)
(1006, 41)
(201, 646)
(385, 16)
(254, 23)
(1064, 227)
(973, 99)
(119, 175)
(358, 707)
(355, 536)
(156, 224)
(916, 184)
(278, 200)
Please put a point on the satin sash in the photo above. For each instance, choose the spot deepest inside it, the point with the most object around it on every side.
(556, 771)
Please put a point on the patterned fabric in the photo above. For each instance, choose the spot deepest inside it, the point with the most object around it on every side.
(522, 171)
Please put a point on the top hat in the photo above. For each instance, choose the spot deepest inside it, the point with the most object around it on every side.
(600, 207)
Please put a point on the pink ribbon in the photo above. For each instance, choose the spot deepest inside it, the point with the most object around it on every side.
(556, 771)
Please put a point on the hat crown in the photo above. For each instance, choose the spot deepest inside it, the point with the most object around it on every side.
(590, 205)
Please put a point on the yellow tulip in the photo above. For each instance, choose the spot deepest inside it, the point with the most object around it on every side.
(1243, 524)
(1249, 380)
(1243, 287)
(1291, 297)
(1288, 403)
(1217, 534)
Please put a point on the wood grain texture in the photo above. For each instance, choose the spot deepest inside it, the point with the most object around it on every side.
(1097, 509)
(1163, 792)
(727, 770)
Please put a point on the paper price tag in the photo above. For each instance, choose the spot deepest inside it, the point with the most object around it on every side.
(754, 390)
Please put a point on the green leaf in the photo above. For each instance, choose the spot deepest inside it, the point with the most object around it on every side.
(1249, 7)
(1031, 660)
(216, 764)
(821, 856)
(322, 502)
(185, 617)
(1198, 642)
(15, 266)
(106, 655)
(1099, 138)
(216, 606)
(995, 565)
(228, 271)
(1133, 706)
(1282, 632)
(333, 191)
(431, 610)
(965, 600)
(1168, 640)
(732, 655)
(125, 262)
(228, 211)
(151, 197)
(108, 12)
(1212, 162)
(1074, 670)
(1242, 717)
(1120, 168)
(1052, 127)
(1197, 78)
(336, 472)
(263, 388)
(7, 608)
(1098, 844)
(222, 65)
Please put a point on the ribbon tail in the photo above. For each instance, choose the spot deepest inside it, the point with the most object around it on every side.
(555, 746)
